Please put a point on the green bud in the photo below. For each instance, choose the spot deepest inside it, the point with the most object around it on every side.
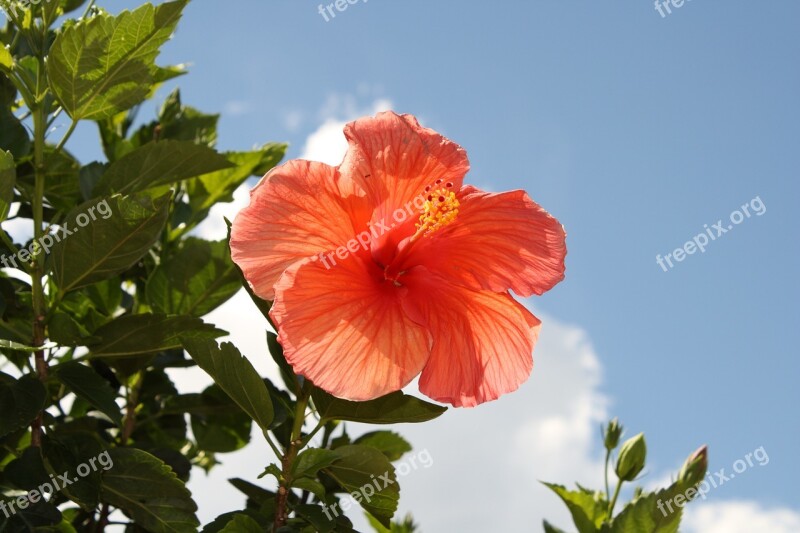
(694, 469)
(631, 458)
(612, 434)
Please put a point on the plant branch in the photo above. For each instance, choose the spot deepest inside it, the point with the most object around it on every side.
(295, 444)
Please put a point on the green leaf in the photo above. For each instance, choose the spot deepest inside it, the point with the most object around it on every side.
(149, 333)
(111, 243)
(235, 375)
(312, 460)
(87, 384)
(61, 179)
(242, 523)
(158, 163)
(645, 514)
(550, 528)
(276, 351)
(20, 402)
(197, 278)
(588, 509)
(207, 190)
(357, 470)
(13, 135)
(8, 177)
(393, 408)
(149, 491)
(104, 65)
(220, 432)
(315, 516)
(27, 471)
(311, 485)
(392, 445)
(64, 450)
(6, 59)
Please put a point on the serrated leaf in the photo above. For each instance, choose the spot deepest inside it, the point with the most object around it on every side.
(392, 408)
(235, 375)
(212, 188)
(644, 514)
(588, 510)
(156, 164)
(20, 402)
(107, 246)
(106, 64)
(87, 384)
(357, 470)
(392, 445)
(149, 333)
(197, 278)
(312, 460)
(149, 491)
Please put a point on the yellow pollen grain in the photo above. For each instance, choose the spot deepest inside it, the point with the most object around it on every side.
(440, 209)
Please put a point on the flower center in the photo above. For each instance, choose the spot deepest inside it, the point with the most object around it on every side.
(440, 209)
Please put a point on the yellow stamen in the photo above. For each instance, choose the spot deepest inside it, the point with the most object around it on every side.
(440, 209)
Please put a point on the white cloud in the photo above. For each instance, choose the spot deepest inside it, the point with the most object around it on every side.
(327, 143)
(237, 108)
(739, 516)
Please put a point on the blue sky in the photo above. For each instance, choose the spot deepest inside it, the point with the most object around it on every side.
(634, 130)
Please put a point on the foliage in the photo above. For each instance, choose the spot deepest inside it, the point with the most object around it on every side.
(110, 292)
(658, 511)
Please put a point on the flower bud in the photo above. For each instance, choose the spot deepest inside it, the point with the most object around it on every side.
(694, 469)
(612, 434)
(631, 458)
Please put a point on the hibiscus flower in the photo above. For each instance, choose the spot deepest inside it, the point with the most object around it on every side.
(387, 267)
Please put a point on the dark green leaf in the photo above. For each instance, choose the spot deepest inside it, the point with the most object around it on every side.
(550, 528)
(8, 177)
(149, 491)
(123, 232)
(158, 163)
(220, 433)
(195, 280)
(86, 383)
(393, 408)
(235, 375)
(357, 470)
(311, 460)
(392, 445)
(20, 402)
(242, 523)
(147, 333)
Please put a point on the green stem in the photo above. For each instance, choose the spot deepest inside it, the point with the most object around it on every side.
(295, 444)
(37, 262)
(66, 137)
(614, 500)
(605, 471)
